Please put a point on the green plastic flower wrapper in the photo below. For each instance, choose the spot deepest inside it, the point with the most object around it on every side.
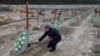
(23, 38)
(16, 49)
(20, 39)
(19, 46)
(72, 21)
(24, 33)
(96, 21)
(43, 10)
(22, 42)
(19, 42)
(56, 24)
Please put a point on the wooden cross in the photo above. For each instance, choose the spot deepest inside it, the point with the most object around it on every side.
(30, 12)
(74, 13)
(27, 16)
(59, 13)
(56, 12)
(40, 12)
(66, 12)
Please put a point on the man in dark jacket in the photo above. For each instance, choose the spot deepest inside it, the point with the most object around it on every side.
(54, 37)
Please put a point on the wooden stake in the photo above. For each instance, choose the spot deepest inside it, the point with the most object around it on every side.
(38, 19)
(43, 17)
(27, 16)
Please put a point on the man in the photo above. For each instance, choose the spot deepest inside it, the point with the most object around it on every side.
(54, 37)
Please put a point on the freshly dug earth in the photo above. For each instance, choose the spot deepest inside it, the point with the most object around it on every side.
(6, 21)
(36, 49)
(66, 30)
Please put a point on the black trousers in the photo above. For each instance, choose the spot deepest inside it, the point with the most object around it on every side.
(52, 44)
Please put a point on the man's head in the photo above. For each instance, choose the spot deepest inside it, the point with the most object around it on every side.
(47, 28)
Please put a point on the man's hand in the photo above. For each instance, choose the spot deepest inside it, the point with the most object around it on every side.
(40, 40)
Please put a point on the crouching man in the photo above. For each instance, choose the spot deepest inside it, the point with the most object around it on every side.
(53, 37)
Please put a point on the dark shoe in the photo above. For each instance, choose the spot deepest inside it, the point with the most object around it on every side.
(51, 50)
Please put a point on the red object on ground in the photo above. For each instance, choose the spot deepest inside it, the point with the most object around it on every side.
(50, 38)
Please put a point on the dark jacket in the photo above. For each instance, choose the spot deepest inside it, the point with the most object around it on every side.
(54, 33)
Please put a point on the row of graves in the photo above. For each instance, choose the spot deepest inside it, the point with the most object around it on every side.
(25, 47)
(96, 24)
